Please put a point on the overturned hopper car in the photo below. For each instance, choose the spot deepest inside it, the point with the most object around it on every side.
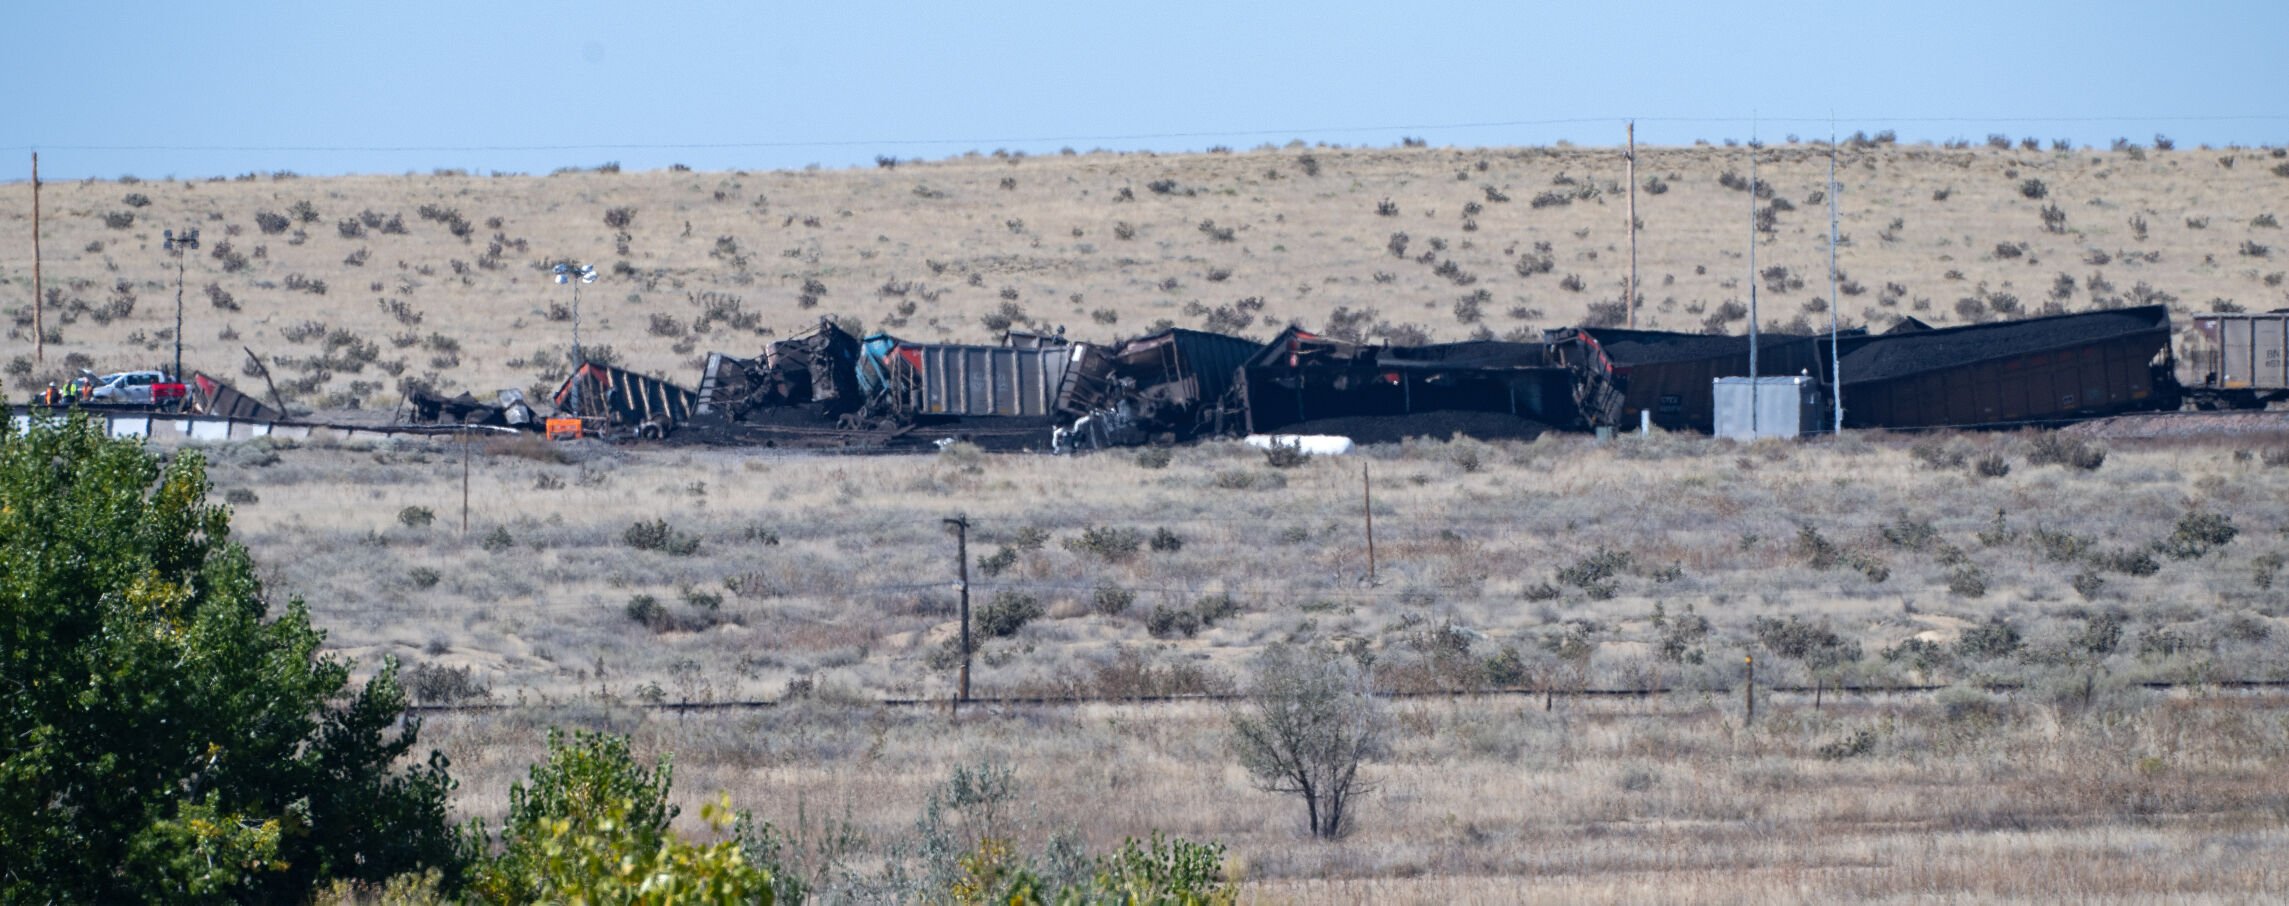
(2036, 371)
(818, 369)
(621, 399)
(1622, 373)
(1167, 385)
(1301, 378)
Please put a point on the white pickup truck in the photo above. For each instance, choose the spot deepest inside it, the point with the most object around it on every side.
(140, 388)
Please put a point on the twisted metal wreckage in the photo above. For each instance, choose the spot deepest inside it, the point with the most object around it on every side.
(827, 388)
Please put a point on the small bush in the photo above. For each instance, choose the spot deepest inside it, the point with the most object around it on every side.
(1165, 541)
(1172, 622)
(2053, 448)
(1108, 543)
(416, 517)
(998, 562)
(272, 223)
(431, 684)
(646, 611)
(423, 577)
(1007, 613)
(1155, 457)
(1967, 581)
(497, 540)
(240, 496)
(1111, 600)
(1285, 456)
(1859, 742)
(657, 535)
(1995, 638)
(2197, 533)
(2127, 562)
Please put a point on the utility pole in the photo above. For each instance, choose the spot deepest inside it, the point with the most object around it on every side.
(39, 287)
(177, 246)
(464, 479)
(1756, 393)
(1367, 496)
(1632, 158)
(1835, 358)
(961, 525)
(1748, 691)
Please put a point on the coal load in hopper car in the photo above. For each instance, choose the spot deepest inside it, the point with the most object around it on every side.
(1622, 373)
(1303, 379)
(2046, 370)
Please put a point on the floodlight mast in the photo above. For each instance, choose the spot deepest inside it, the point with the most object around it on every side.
(176, 246)
(575, 275)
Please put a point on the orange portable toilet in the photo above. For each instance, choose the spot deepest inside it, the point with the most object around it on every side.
(563, 429)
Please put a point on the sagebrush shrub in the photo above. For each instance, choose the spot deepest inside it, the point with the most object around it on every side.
(657, 535)
(1108, 543)
(1007, 613)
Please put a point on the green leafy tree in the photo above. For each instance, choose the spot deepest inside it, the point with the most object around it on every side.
(590, 825)
(162, 738)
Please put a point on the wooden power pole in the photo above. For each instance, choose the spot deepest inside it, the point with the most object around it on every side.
(1631, 299)
(39, 288)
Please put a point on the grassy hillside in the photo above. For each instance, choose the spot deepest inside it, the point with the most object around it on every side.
(352, 285)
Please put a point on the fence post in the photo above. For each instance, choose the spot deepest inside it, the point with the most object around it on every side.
(1748, 690)
(961, 524)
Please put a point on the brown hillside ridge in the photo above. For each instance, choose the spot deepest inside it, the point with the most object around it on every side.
(353, 285)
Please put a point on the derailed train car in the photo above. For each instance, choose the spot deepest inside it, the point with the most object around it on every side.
(1620, 374)
(829, 388)
(1166, 386)
(1300, 378)
(615, 398)
(2034, 371)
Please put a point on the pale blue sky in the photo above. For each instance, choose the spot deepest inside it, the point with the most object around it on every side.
(193, 89)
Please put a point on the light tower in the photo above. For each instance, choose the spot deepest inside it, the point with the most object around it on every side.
(575, 274)
(176, 246)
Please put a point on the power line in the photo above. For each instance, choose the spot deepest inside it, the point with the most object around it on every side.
(1140, 136)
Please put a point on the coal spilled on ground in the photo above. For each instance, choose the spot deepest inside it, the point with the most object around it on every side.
(1391, 429)
(1911, 353)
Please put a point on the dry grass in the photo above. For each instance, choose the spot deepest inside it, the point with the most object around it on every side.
(837, 569)
(2079, 786)
(929, 250)
(2140, 799)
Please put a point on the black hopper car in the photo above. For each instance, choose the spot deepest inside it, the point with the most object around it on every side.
(830, 389)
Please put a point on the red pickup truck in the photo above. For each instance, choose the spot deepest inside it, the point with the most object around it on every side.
(141, 388)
